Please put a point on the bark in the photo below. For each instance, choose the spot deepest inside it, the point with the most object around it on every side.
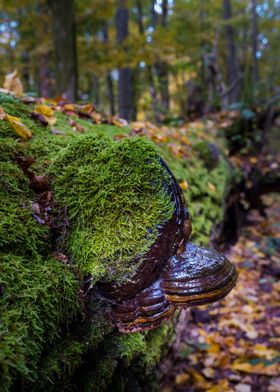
(45, 82)
(255, 63)
(149, 68)
(65, 47)
(25, 58)
(232, 72)
(162, 67)
(153, 92)
(162, 73)
(109, 80)
(215, 75)
(140, 17)
(111, 95)
(95, 90)
(124, 83)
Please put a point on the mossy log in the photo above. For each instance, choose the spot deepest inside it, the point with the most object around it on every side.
(52, 336)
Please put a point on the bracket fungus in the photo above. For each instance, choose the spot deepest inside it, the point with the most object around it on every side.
(150, 269)
(174, 274)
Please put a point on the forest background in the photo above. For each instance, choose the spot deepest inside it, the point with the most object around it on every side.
(163, 60)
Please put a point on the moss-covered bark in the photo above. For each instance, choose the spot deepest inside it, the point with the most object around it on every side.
(51, 336)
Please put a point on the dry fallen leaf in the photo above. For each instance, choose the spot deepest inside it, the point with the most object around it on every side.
(212, 187)
(47, 112)
(20, 129)
(13, 84)
(208, 372)
(184, 185)
(182, 378)
(76, 126)
(222, 386)
(271, 370)
(120, 122)
(243, 388)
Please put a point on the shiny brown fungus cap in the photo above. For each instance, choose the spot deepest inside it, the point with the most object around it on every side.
(198, 276)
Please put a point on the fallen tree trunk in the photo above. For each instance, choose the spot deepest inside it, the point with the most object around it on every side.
(53, 335)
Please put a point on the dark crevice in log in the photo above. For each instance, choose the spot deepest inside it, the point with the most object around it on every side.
(240, 200)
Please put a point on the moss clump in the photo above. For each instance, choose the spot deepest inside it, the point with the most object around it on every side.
(37, 293)
(116, 195)
(204, 194)
(208, 153)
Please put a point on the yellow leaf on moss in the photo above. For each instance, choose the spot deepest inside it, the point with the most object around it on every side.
(184, 185)
(47, 112)
(20, 129)
(13, 84)
(211, 187)
(44, 110)
(69, 107)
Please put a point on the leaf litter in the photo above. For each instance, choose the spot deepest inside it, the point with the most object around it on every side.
(234, 345)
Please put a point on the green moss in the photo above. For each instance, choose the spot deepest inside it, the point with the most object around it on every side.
(37, 296)
(156, 345)
(204, 194)
(111, 181)
(99, 380)
(37, 293)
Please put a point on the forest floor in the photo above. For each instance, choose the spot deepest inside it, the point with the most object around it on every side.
(234, 345)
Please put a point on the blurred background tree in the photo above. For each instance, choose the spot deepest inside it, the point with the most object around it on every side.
(157, 59)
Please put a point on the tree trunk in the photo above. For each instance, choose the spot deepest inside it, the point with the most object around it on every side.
(232, 73)
(65, 47)
(124, 84)
(109, 80)
(140, 17)
(44, 76)
(162, 67)
(95, 90)
(255, 64)
(111, 95)
(149, 68)
(162, 73)
(153, 92)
